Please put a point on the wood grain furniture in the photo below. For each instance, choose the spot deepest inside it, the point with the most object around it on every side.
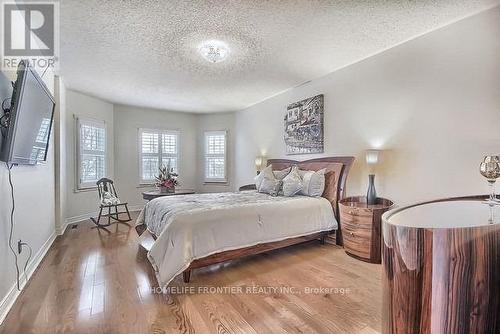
(338, 169)
(441, 264)
(152, 194)
(361, 226)
(107, 185)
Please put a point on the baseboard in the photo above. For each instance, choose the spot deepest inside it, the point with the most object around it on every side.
(86, 216)
(61, 229)
(11, 297)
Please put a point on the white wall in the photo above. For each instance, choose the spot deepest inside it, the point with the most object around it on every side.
(433, 104)
(79, 203)
(214, 122)
(34, 216)
(128, 120)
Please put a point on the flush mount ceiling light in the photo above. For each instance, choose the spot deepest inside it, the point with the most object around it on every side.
(214, 51)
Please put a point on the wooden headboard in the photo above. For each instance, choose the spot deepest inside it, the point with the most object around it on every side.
(334, 186)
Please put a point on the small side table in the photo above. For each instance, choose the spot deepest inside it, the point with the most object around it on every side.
(441, 264)
(149, 195)
(247, 187)
(361, 227)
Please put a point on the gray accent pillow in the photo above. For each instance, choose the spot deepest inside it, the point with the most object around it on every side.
(292, 183)
(313, 182)
(280, 174)
(266, 172)
(270, 185)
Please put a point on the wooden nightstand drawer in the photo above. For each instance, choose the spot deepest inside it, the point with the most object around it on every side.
(361, 231)
(358, 221)
(361, 227)
(357, 243)
(353, 211)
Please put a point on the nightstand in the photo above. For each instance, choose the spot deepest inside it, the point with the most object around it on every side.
(361, 227)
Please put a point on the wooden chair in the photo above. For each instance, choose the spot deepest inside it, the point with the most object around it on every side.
(106, 185)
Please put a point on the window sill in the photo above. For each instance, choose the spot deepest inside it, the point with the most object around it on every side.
(146, 185)
(216, 183)
(84, 189)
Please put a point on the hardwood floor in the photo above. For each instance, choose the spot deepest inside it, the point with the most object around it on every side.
(93, 281)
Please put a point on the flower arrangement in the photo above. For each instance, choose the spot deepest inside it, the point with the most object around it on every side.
(167, 179)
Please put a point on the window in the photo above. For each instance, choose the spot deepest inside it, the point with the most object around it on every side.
(91, 152)
(157, 148)
(215, 156)
(38, 151)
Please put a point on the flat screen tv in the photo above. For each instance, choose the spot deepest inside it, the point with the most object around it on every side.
(27, 123)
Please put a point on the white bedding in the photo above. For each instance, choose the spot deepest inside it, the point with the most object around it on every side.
(189, 227)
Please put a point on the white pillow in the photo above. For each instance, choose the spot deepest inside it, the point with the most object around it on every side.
(266, 172)
(292, 183)
(313, 182)
(270, 185)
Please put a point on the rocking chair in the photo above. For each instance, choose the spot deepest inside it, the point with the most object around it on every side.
(108, 199)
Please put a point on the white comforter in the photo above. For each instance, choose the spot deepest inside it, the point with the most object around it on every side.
(189, 227)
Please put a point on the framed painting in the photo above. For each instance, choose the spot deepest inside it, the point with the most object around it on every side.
(304, 126)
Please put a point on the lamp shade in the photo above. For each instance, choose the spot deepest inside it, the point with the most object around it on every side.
(259, 161)
(372, 157)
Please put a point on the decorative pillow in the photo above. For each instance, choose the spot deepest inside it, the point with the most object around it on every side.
(109, 199)
(270, 185)
(266, 172)
(314, 182)
(292, 183)
(280, 174)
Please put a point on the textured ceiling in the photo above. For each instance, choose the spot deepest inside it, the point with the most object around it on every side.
(144, 53)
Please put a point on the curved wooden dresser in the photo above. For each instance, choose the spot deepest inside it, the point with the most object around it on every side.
(362, 227)
(441, 264)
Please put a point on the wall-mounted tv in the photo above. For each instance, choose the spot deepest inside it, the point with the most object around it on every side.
(27, 122)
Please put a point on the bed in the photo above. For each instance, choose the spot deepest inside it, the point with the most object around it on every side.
(193, 231)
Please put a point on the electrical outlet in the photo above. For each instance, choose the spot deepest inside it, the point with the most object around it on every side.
(19, 246)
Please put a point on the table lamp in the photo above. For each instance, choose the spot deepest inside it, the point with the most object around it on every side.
(259, 163)
(371, 160)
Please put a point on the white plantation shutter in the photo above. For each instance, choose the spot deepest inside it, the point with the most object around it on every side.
(38, 150)
(149, 143)
(215, 156)
(157, 148)
(91, 155)
(169, 150)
